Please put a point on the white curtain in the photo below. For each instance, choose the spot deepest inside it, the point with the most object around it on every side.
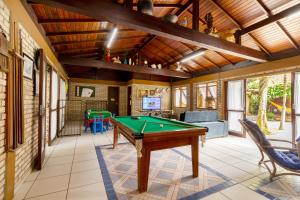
(63, 97)
(235, 104)
(177, 97)
(54, 99)
(297, 102)
(235, 95)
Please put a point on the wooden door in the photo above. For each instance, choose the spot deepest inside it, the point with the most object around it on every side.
(129, 99)
(42, 110)
(113, 100)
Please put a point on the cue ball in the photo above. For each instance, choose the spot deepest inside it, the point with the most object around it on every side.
(161, 125)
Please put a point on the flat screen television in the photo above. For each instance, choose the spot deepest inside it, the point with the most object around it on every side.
(151, 103)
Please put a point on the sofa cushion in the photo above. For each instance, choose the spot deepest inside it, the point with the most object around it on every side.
(201, 116)
(215, 129)
(287, 159)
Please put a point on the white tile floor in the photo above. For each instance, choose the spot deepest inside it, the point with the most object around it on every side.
(71, 170)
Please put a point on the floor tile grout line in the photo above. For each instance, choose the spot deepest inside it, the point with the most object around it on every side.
(67, 193)
(35, 179)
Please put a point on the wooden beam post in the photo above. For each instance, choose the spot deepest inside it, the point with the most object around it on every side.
(83, 62)
(196, 14)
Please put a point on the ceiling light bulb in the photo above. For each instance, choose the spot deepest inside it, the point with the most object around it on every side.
(112, 37)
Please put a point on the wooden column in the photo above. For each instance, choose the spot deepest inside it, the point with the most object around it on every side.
(129, 4)
(196, 15)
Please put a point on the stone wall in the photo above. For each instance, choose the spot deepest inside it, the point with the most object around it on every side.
(3, 117)
(136, 106)
(5, 26)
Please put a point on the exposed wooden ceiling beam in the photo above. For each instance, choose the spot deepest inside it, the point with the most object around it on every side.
(73, 20)
(71, 50)
(271, 19)
(184, 8)
(121, 67)
(105, 10)
(215, 2)
(282, 28)
(196, 14)
(96, 40)
(164, 5)
(84, 32)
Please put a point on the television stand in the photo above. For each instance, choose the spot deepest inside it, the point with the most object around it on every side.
(161, 113)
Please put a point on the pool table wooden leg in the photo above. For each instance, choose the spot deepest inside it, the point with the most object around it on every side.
(115, 137)
(195, 155)
(143, 170)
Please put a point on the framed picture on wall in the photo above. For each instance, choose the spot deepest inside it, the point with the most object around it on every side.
(85, 91)
(28, 67)
(152, 93)
(143, 93)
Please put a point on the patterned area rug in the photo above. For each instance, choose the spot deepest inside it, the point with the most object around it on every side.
(170, 174)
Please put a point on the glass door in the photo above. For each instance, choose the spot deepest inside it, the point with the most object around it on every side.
(235, 106)
(296, 105)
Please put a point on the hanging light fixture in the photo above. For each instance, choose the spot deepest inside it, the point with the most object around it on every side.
(178, 66)
(112, 37)
(193, 55)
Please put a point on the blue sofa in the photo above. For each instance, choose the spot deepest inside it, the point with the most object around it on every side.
(209, 119)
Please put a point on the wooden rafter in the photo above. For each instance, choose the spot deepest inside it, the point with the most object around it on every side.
(82, 62)
(196, 14)
(214, 2)
(92, 49)
(95, 40)
(182, 9)
(73, 20)
(84, 32)
(271, 19)
(282, 28)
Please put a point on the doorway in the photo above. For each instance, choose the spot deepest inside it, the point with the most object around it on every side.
(129, 99)
(269, 104)
(235, 106)
(113, 100)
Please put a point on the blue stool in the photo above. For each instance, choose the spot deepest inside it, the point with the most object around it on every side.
(97, 125)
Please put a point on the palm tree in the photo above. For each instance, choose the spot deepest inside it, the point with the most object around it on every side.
(283, 112)
(262, 120)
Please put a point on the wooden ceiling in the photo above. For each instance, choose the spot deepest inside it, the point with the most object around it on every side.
(264, 26)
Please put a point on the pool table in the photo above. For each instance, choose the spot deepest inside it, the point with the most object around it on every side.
(150, 133)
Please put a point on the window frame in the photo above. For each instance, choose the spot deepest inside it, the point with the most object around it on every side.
(181, 89)
(206, 86)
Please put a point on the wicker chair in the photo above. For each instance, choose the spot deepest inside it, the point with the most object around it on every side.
(285, 157)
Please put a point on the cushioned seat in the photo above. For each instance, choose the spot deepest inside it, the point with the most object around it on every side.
(209, 119)
(283, 156)
(287, 159)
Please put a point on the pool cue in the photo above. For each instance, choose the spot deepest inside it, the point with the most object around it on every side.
(144, 126)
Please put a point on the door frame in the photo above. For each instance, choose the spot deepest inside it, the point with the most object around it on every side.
(226, 110)
(118, 111)
(294, 114)
(42, 111)
(129, 100)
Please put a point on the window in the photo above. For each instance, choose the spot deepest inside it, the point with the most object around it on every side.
(180, 97)
(207, 96)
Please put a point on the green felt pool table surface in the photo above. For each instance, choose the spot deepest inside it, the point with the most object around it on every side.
(153, 124)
